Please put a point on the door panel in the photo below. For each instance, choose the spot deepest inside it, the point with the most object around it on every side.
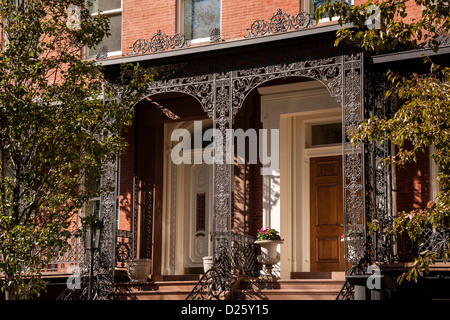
(326, 202)
(197, 211)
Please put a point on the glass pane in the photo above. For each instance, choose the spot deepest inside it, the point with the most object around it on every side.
(93, 208)
(92, 183)
(326, 134)
(200, 17)
(317, 3)
(114, 41)
(105, 5)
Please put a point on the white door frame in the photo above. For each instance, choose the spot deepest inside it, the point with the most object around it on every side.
(177, 253)
(292, 109)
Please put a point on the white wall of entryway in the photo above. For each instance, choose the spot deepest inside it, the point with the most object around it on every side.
(182, 246)
(293, 108)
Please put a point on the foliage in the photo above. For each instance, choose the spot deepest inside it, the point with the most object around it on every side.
(59, 118)
(268, 234)
(396, 29)
(423, 118)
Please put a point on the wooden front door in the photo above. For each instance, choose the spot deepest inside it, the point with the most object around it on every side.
(327, 249)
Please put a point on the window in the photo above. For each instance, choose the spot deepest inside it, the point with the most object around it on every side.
(200, 219)
(199, 18)
(313, 5)
(325, 134)
(435, 171)
(92, 187)
(112, 9)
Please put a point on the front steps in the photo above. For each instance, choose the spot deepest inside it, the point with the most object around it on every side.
(320, 287)
(306, 286)
(166, 288)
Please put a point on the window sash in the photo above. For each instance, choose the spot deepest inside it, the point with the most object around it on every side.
(114, 13)
(199, 28)
(312, 5)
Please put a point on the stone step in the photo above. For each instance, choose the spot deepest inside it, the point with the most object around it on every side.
(286, 294)
(307, 287)
(158, 290)
(155, 295)
(291, 284)
(311, 288)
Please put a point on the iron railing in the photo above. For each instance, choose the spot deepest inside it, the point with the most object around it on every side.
(228, 266)
(124, 248)
(76, 256)
(72, 257)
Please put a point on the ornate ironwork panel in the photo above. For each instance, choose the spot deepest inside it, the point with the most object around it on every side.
(73, 257)
(436, 242)
(378, 182)
(352, 115)
(222, 116)
(124, 248)
(215, 284)
(280, 22)
(159, 42)
(244, 253)
(108, 214)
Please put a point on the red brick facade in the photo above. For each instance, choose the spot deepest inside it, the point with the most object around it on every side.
(143, 18)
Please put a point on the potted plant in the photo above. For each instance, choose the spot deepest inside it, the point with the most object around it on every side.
(268, 239)
(207, 263)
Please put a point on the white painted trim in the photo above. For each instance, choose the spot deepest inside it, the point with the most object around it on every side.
(177, 219)
(291, 108)
(434, 172)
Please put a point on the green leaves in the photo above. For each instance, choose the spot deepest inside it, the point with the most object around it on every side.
(268, 234)
(396, 26)
(55, 124)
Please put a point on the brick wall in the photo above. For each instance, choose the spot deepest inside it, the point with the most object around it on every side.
(413, 192)
(413, 184)
(238, 15)
(143, 18)
(126, 183)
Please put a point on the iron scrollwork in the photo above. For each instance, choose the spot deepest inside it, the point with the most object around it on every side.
(280, 22)
(102, 53)
(159, 42)
(215, 35)
(378, 182)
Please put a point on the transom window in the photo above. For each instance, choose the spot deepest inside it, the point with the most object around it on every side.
(321, 135)
(199, 18)
(113, 10)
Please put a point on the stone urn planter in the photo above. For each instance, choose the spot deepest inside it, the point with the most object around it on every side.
(269, 255)
(207, 263)
(138, 270)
